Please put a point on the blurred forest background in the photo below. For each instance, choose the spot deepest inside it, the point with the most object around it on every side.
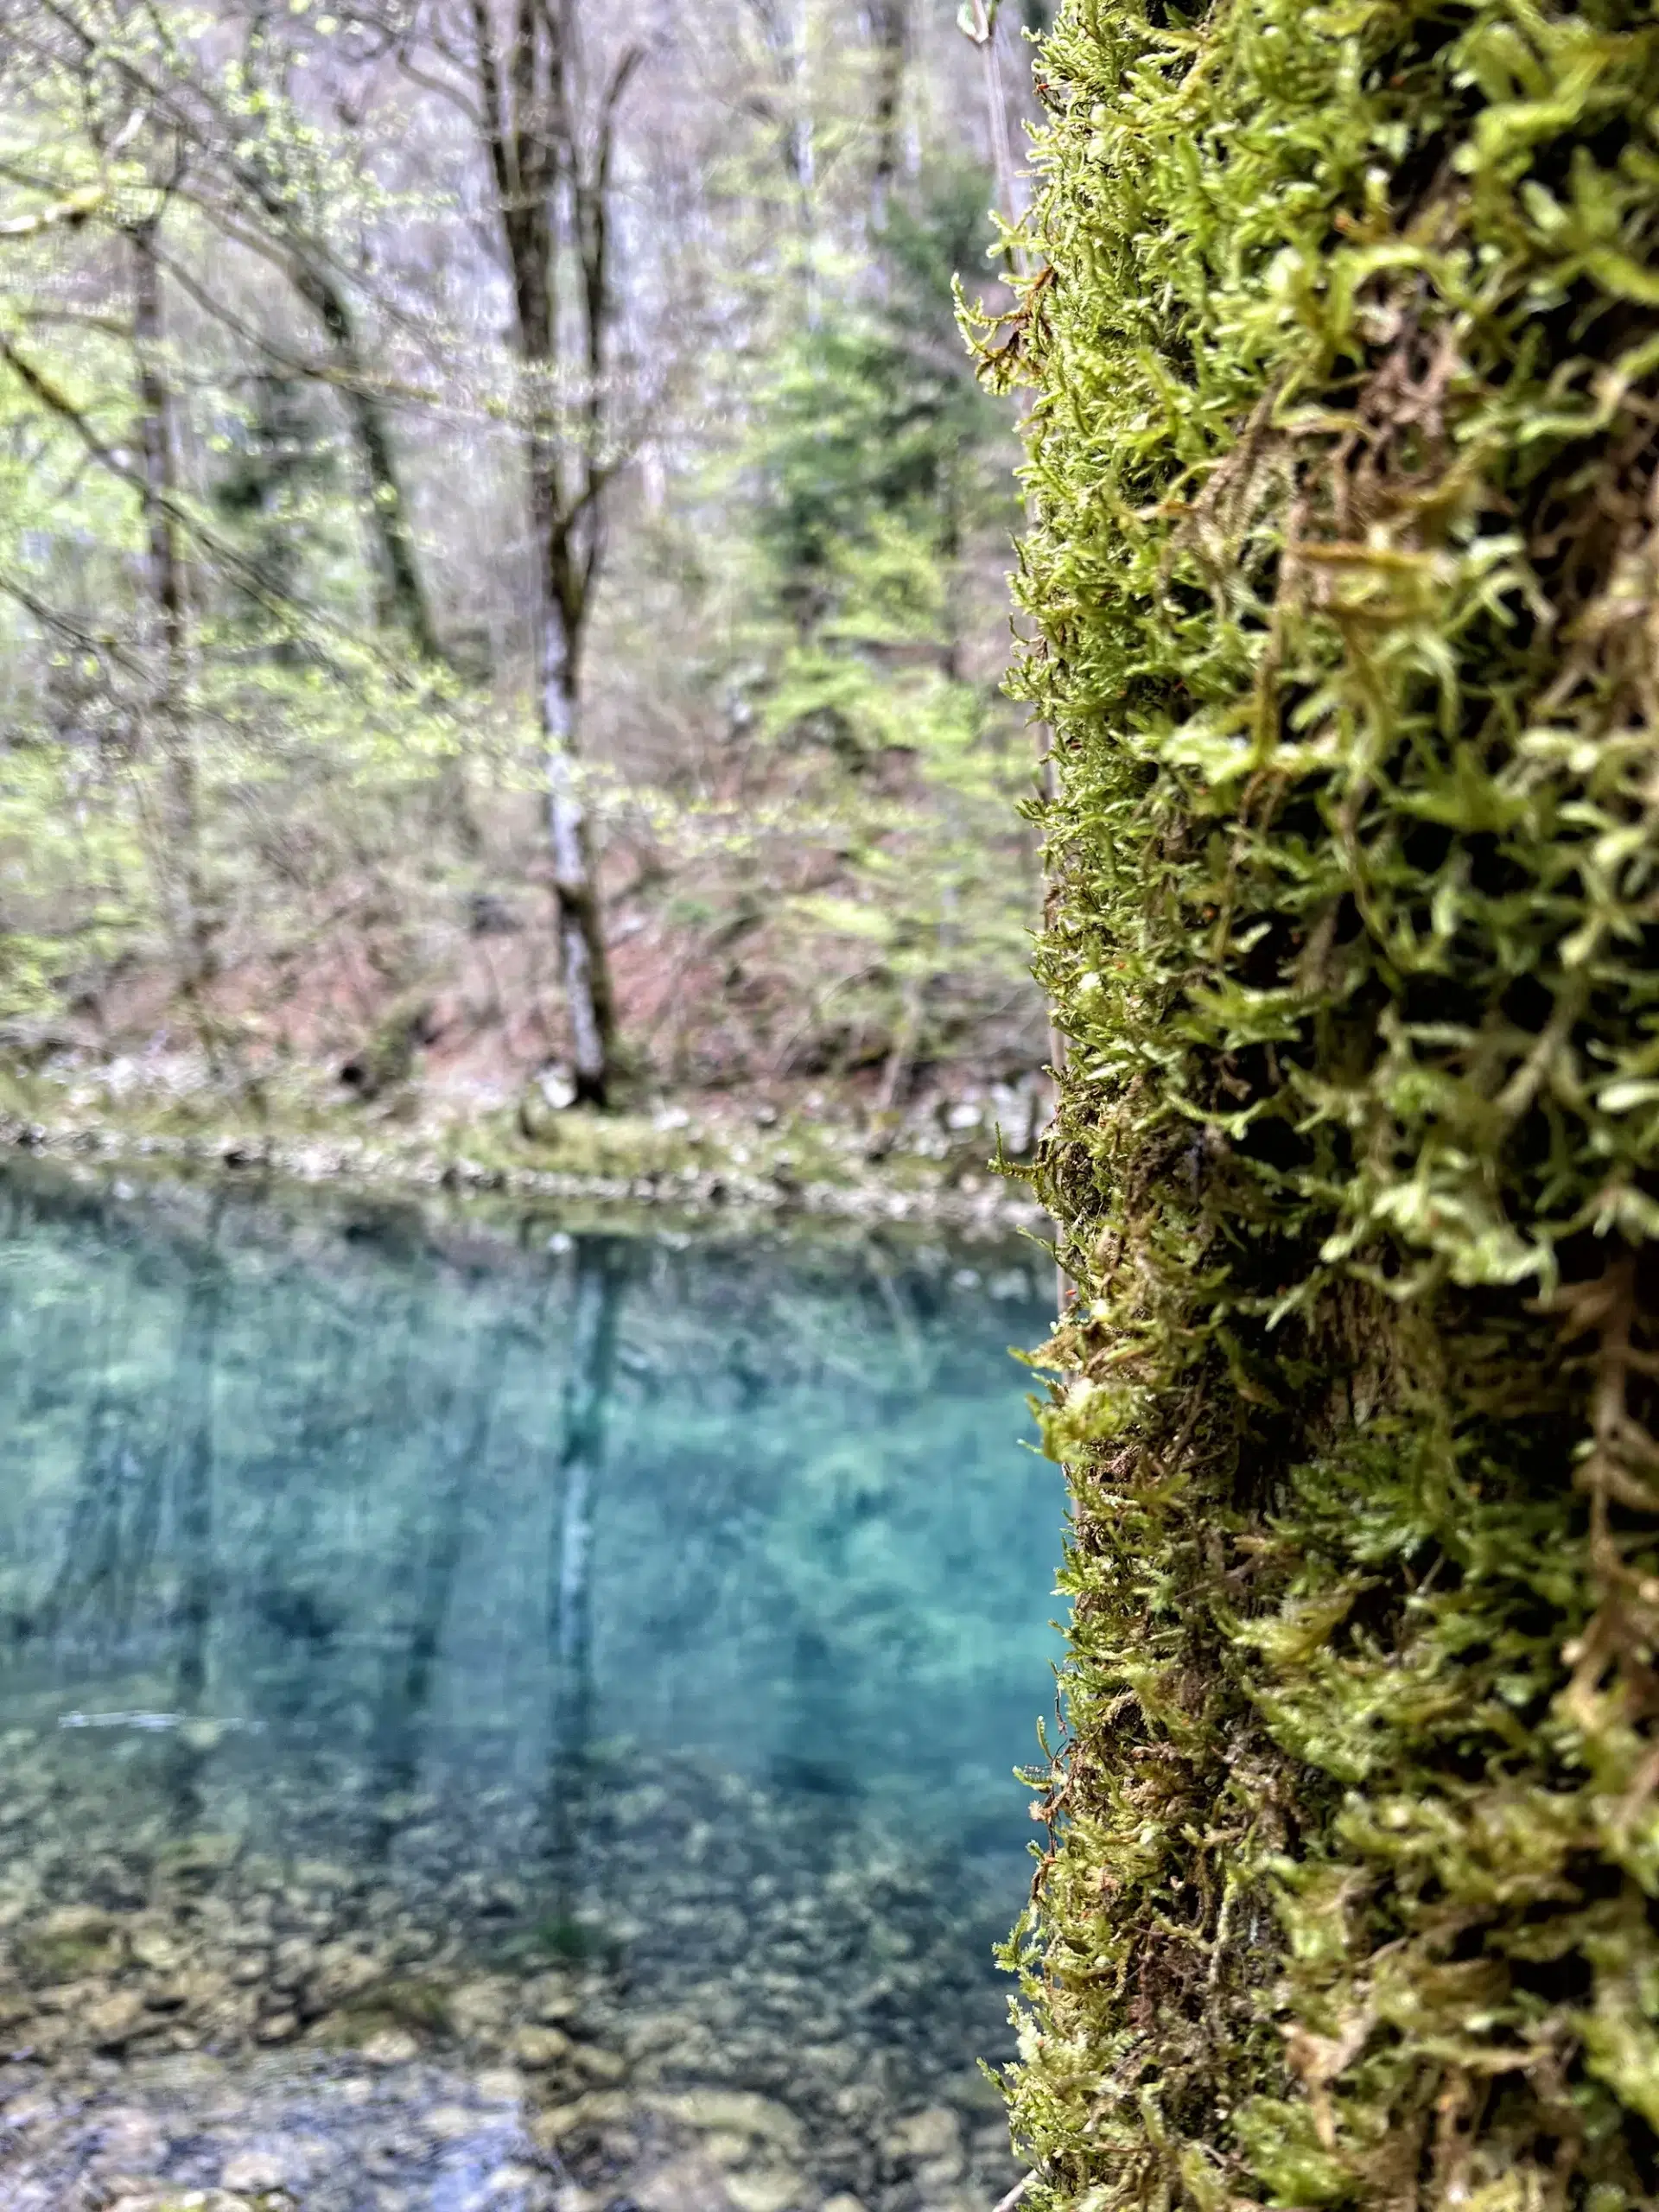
(502, 553)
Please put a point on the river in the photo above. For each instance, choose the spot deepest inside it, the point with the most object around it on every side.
(522, 1723)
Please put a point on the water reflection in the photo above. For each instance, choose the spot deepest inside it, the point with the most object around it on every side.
(581, 1687)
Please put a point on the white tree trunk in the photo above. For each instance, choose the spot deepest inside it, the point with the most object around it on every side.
(572, 869)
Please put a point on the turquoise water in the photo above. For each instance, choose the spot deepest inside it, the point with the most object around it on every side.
(566, 1684)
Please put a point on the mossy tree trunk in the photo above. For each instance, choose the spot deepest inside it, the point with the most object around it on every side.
(1345, 329)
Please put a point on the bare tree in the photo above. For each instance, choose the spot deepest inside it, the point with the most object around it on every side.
(515, 264)
(248, 190)
(550, 138)
(404, 598)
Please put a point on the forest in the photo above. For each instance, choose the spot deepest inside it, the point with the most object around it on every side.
(503, 558)
(1082, 582)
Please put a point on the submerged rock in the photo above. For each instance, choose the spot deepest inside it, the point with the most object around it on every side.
(735, 2111)
(396, 2027)
(769, 2189)
(539, 2047)
(114, 2020)
(930, 2135)
(252, 2172)
(390, 2047)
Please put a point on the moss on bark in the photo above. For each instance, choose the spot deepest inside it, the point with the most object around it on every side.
(1345, 472)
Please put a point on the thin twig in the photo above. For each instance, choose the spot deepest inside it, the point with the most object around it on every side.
(1007, 2203)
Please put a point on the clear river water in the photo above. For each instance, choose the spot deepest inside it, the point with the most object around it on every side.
(514, 1720)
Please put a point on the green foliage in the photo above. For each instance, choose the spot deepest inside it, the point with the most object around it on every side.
(305, 743)
(869, 414)
(1343, 471)
(922, 781)
(879, 476)
(244, 345)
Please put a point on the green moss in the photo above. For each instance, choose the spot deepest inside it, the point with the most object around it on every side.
(405, 2001)
(1343, 466)
(69, 1946)
(568, 1941)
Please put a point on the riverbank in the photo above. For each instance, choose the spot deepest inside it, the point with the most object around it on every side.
(945, 1166)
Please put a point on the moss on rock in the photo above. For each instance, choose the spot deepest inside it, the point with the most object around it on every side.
(1345, 472)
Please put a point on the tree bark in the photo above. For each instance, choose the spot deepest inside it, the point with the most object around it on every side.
(537, 159)
(562, 622)
(583, 955)
(890, 27)
(178, 861)
(1011, 198)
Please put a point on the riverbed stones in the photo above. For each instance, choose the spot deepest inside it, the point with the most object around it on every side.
(295, 1964)
(449, 2123)
(390, 2047)
(74, 1940)
(551, 2000)
(154, 1948)
(131, 2141)
(752, 2046)
(735, 2113)
(341, 1973)
(110, 2022)
(509, 2182)
(252, 2172)
(602, 2067)
(769, 2189)
(927, 2148)
(538, 2048)
(197, 1858)
(594, 2110)
(480, 2010)
(499, 2085)
(165, 2199)
(925, 2137)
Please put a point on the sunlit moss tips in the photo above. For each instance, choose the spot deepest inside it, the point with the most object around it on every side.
(1345, 339)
